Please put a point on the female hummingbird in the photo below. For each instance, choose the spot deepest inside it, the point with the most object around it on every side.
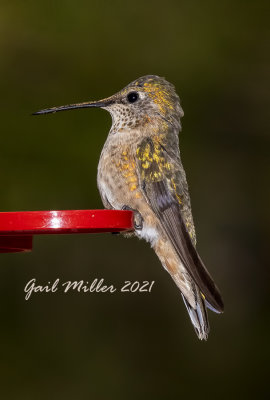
(140, 169)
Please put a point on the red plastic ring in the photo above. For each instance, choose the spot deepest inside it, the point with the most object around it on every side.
(17, 228)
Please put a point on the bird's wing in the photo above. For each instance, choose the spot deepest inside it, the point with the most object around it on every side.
(163, 189)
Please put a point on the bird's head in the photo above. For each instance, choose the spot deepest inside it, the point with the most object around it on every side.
(143, 100)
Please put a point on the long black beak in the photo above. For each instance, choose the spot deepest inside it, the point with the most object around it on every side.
(101, 104)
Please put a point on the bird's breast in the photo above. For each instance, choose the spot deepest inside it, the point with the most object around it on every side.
(119, 185)
(118, 177)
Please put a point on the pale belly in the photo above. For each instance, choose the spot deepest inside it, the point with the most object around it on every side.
(120, 189)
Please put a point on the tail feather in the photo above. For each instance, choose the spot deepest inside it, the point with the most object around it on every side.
(198, 315)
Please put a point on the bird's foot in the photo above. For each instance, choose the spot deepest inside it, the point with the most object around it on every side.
(138, 219)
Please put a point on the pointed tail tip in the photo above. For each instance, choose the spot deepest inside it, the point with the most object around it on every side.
(202, 335)
(198, 317)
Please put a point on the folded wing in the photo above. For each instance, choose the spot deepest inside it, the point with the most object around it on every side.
(160, 181)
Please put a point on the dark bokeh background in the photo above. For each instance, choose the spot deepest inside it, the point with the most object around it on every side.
(129, 346)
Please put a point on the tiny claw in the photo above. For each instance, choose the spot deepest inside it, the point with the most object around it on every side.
(138, 219)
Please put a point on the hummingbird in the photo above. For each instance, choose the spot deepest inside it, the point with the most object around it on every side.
(140, 169)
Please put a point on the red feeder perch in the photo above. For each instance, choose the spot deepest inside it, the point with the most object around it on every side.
(18, 228)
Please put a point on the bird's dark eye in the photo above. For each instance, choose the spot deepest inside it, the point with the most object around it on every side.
(132, 97)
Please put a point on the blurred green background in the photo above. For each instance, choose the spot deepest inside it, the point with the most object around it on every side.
(129, 346)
